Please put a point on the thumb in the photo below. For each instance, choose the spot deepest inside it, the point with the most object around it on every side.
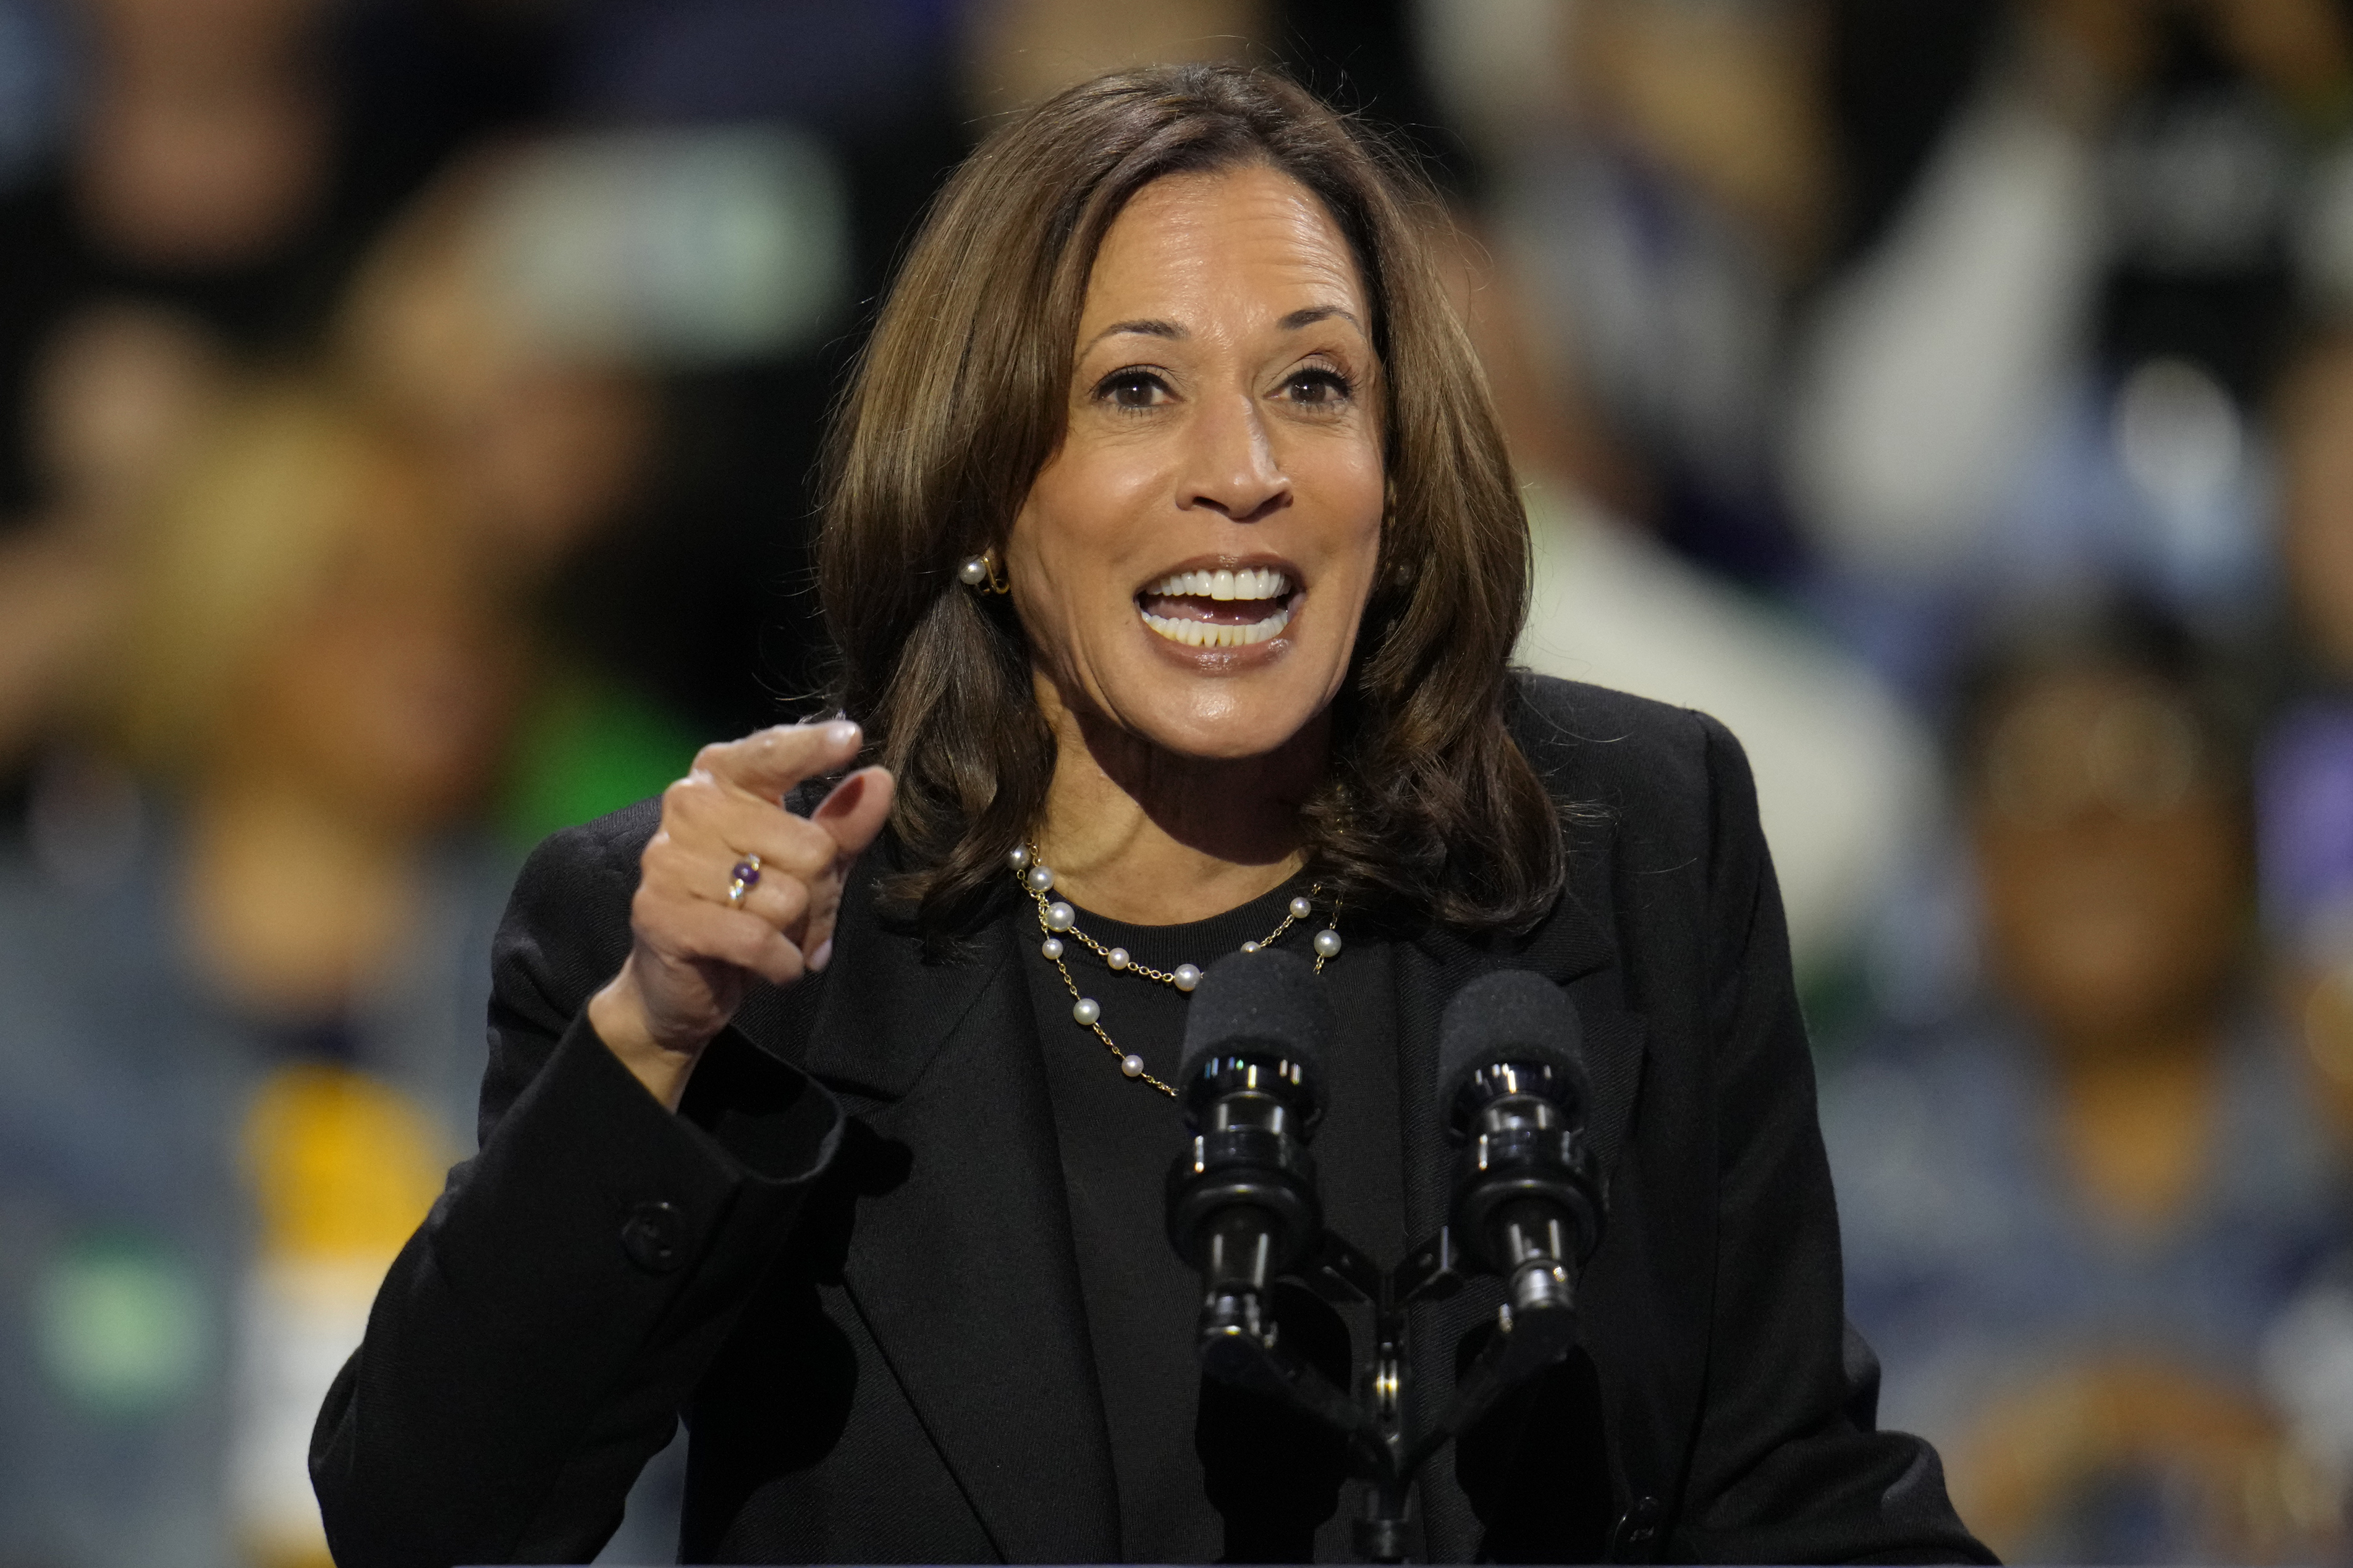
(857, 809)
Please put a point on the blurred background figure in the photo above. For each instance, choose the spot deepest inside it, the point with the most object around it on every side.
(1658, 181)
(183, 188)
(1845, 780)
(2307, 777)
(517, 321)
(244, 992)
(2049, 356)
(720, 248)
(202, 176)
(112, 406)
(2075, 1210)
(223, 158)
(1655, 181)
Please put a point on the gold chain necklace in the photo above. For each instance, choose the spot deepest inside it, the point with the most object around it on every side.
(1059, 920)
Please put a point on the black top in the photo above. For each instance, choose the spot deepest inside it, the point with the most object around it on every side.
(1175, 1442)
(850, 1257)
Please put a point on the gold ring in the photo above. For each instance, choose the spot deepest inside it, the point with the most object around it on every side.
(744, 877)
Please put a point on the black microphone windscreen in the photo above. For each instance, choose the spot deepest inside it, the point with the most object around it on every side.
(1265, 1001)
(1511, 1016)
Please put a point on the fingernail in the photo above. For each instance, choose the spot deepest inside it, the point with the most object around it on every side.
(841, 731)
(822, 954)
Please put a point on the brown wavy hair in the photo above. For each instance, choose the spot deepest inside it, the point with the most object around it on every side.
(1430, 811)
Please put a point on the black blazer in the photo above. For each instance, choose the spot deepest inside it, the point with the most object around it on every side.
(848, 1260)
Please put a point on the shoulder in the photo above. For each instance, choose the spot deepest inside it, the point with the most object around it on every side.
(567, 922)
(574, 873)
(1658, 812)
(1610, 753)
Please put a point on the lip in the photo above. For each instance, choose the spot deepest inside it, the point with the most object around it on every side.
(1225, 661)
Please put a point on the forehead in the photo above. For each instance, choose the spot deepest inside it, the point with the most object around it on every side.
(1222, 242)
(2060, 696)
(2060, 717)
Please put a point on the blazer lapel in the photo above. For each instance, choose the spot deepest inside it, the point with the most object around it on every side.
(1573, 951)
(964, 1271)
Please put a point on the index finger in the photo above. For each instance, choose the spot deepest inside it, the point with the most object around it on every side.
(768, 762)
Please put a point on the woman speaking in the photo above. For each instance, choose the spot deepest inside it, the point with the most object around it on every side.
(1174, 561)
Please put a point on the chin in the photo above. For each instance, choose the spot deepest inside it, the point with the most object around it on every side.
(1229, 726)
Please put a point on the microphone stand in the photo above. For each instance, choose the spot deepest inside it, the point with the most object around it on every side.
(1237, 1346)
(1528, 1206)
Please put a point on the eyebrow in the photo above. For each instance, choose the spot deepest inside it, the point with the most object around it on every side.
(1314, 313)
(1146, 329)
(1153, 328)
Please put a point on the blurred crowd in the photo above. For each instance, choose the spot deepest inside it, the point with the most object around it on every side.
(407, 409)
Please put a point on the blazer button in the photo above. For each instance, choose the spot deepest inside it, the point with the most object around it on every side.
(1636, 1539)
(654, 1235)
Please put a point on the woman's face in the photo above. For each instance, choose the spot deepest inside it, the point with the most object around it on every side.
(1193, 561)
(2112, 867)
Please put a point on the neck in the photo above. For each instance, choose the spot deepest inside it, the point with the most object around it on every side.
(1139, 834)
(293, 906)
(2136, 1118)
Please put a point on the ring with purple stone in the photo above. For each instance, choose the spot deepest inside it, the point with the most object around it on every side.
(746, 876)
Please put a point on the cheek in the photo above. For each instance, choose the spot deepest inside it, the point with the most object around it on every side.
(1359, 517)
(1352, 481)
(1082, 514)
(1043, 554)
(1052, 527)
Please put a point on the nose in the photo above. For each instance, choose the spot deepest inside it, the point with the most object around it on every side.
(1230, 466)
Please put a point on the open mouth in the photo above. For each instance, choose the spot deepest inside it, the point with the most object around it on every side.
(1218, 608)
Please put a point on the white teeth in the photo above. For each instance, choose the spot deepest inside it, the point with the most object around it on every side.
(1263, 583)
(1213, 634)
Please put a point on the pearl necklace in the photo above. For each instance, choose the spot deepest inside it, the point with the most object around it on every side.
(1057, 921)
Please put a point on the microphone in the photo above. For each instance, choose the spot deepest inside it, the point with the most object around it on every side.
(1511, 1091)
(1243, 1207)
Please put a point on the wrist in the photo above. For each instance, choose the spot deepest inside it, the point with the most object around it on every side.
(617, 1014)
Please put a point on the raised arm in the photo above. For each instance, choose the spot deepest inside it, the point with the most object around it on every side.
(532, 1345)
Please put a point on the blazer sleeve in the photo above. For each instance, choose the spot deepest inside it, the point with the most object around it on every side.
(532, 1345)
(1787, 1465)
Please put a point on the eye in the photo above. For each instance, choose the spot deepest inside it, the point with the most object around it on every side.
(1131, 388)
(1317, 387)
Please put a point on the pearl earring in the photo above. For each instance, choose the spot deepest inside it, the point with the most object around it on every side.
(980, 573)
